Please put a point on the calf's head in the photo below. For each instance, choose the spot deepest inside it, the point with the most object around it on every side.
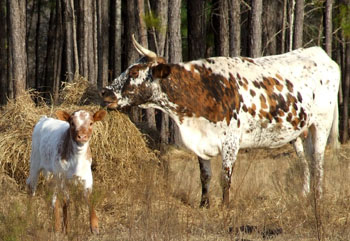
(81, 123)
(134, 86)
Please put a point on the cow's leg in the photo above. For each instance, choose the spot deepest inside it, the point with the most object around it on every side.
(320, 136)
(299, 149)
(229, 153)
(65, 214)
(205, 170)
(34, 172)
(56, 211)
(92, 213)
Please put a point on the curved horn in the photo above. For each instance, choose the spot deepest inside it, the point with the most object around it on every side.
(142, 50)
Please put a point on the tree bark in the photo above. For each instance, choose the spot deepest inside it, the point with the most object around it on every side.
(103, 41)
(298, 24)
(328, 5)
(117, 36)
(284, 27)
(346, 92)
(68, 31)
(3, 53)
(17, 33)
(196, 29)
(87, 40)
(58, 50)
(255, 29)
(270, 27)
(235, 27)
(221, 33)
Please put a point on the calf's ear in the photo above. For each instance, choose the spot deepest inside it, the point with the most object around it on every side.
(160, 71)
(62, 115)
(99, 115)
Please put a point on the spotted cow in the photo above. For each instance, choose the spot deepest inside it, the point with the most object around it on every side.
(221, 104)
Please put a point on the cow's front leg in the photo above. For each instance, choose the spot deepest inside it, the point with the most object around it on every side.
(229, 153)
(205, 170)
(93, 217)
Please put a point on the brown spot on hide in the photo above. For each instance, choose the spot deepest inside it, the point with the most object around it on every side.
(198, 93)
(248, 60)
(279, 77)
(289, 86)
(263, 102)
(252, 93)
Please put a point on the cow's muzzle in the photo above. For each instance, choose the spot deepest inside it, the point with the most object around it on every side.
(109, 99)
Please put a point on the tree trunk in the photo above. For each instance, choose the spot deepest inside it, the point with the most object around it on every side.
(3, 53)
(270, 27)
(346, 92)
(291, 24)
(328, 5)
(235, 27)
(117, 36)
(37, 45)
(75, 39)
(298, 24)
(17, 33)
(87, 40)
(103, 41)
(58, 49)
(68, 31)
(255, 29)
(284, 27)
(175, 52)
(196, 29)
(220, 19)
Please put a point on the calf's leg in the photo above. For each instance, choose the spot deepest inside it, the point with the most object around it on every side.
(93, 217)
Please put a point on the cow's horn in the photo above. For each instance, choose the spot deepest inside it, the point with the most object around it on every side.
(142, 50)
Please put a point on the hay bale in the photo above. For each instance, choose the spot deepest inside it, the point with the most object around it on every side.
(79, 92)
(118, 148)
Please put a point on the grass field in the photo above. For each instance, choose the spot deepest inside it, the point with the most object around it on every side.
(151, 194)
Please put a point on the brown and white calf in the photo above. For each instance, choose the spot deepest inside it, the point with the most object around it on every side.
(61, 147)
(222, 104)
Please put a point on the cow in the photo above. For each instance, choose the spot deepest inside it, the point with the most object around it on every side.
(61, 147)
(222, 104)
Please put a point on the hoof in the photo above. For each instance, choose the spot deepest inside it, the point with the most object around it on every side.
(95, 230)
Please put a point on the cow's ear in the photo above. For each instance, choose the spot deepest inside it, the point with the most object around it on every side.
(62, 115)
(160, 71)
(99, 115)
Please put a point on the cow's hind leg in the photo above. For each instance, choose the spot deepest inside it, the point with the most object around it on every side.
(299, 149)
(205, 170)
(229, 153)
(320, 136)
(34, 172)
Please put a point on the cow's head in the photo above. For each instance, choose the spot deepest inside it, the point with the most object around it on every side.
(136, 85)
(81, 123)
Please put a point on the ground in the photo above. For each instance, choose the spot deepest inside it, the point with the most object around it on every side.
(163, 204)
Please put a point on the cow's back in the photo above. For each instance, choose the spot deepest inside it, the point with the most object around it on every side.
(47, 138)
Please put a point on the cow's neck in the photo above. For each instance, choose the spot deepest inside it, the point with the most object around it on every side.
(71, 151)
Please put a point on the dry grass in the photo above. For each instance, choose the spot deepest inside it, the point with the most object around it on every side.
(142, 194)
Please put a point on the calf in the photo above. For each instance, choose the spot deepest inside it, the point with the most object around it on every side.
(61, 147)
(222, 104)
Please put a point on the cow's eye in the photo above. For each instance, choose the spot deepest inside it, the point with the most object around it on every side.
(133, 74)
